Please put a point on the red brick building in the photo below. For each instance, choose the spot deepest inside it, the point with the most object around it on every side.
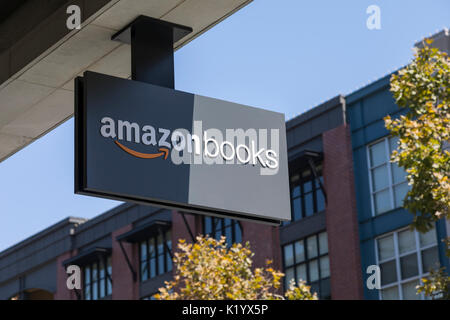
(125, 253)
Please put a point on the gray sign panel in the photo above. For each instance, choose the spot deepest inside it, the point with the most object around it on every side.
(149, 144)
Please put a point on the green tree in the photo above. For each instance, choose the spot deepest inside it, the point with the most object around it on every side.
(423, 89)
(209, 270)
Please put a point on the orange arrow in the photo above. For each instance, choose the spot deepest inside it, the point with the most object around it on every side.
(164, 152)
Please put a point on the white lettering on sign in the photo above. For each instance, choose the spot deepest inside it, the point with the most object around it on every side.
(236, 146)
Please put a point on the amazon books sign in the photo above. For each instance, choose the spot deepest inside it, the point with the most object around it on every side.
(144, 143)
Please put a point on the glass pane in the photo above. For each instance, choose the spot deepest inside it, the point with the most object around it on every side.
(108, 287)
(229, 235)
(313, 270)
(227, 221)
(315, 287)
(207, 225)
(168, 237)
(406, 241)
(390, 293)
(151, 248)
(386, 247)
(408, 266)
(295, 178)
(309, 204)
(169, 245)
(301, 272)
(102, 288)
(161, 269)
(95, 291)
(87, 292)
(388, 272)
(160, 246)
(143, 250)
(382, 201)
(289, 275)
(218, 228)
(320, 200)
(409, 290)
(168, 262)
(299, 251)
(297, 209)
(393, 143)
(153, 267)
(288, 255)
(102, 269)
(109, 265)
(144, 270)
(430, 259)
(311, 243)
(295, 191)
(238, 233)
(87, 275)
(400, 192)
(380, 178)
(428, 238)
(307, 186)
(94, 272)
(323, 243)
(377, 154)
(398, 173)
(324, 267)
(325, 289)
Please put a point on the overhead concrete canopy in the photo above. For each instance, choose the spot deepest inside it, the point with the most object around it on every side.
(40, 56)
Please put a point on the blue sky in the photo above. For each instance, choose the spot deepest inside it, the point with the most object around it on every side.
(287, 56)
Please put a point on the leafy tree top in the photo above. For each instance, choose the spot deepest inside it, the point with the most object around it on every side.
(209, 270)
(424, 132)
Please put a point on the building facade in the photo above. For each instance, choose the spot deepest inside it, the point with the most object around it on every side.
(346, 203)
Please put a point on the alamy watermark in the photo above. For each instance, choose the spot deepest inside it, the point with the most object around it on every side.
(374, 279)
(373, 22)
(74, 277)
(74, 19)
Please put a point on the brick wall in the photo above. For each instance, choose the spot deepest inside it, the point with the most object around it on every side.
(264, 242)
(123, 287)
(341, 214)
(62, 292)
(179, 229)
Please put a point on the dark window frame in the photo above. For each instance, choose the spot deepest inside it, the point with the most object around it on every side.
(153, 260)
(307, 260)
(220, 226)
(301, 182)
(106, 279)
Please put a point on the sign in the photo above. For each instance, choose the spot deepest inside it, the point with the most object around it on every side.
(149, 144)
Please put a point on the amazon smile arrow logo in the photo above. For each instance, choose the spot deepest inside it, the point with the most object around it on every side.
(163, 152)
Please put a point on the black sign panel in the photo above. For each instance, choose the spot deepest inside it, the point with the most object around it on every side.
(149, 144)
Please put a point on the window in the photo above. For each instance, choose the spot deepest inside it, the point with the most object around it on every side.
(404, 257)
(307, 259)
(306, 195)
(388, 185)
(155, 258)
(217, 227)
(97, 279)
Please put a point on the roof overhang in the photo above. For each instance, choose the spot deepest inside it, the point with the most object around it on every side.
(88, 256)
(145, 231)
(40, 57)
